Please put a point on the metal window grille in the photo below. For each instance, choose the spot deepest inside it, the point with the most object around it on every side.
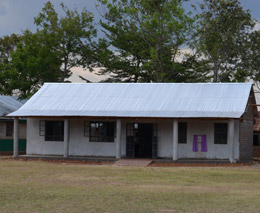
(102, 132)
(9, 128)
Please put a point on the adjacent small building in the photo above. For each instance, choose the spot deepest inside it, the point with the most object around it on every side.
(141, 120)
(10, 104)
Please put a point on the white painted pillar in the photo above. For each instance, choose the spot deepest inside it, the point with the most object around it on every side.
(118, 139)
(231, 136)
(16, 137)
(175, 140)
(66, 138)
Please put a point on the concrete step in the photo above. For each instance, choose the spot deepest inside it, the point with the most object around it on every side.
(133, 162)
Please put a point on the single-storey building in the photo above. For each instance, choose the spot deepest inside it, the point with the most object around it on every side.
(10, 104)
(141, 120)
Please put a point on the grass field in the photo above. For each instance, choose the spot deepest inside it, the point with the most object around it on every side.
(37, 186)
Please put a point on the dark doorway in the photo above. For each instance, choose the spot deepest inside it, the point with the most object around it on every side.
(256, 140)
(143, 146)
(141, 140)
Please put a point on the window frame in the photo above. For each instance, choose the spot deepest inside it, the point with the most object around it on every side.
(54, 137)
(221, 133)
(184, 139)
(9, 129)
(101, 135)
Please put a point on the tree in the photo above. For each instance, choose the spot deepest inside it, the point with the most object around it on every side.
(71, 36)
(31, 64)
(8, 45)
(225, 39)
(60, 43)
(144, 41)
(253, 62)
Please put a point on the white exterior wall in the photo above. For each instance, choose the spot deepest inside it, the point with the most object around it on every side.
(36, 144)
(215, 151)
(79, 145)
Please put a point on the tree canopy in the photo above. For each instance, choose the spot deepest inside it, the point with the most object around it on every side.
(69, 36)
(224, 39)
(142, 41)
(146, 41)
(48, 55)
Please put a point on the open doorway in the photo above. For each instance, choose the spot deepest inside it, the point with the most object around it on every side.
(143, 146)
(141, 140)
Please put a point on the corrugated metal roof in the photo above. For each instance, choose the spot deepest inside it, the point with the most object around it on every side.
(172, 100)
(8, 104)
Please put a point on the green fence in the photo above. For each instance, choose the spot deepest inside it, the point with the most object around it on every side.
(6, 145)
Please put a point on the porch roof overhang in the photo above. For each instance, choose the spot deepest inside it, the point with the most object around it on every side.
(121, 117)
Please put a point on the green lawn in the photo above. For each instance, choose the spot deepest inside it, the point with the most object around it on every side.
(37, 186)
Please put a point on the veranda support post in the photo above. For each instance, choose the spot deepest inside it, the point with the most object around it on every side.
(118, 139)
(16, 137)
(66, 138)
(175, 140)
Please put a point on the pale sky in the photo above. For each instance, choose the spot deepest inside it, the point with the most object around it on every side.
(18, 15)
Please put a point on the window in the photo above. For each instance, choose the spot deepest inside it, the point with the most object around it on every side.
(182, 133)
(54, 130)
(102, 132)
(220, 136)
(9, 129)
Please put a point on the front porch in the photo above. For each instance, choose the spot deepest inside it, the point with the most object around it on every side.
(161, 139)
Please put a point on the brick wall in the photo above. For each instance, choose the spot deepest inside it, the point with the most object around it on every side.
(246, 132)
(246, 141)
